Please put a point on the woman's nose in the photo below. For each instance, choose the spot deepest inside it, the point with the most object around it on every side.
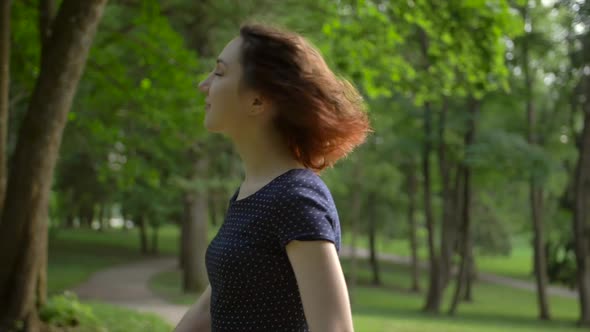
(204, 85)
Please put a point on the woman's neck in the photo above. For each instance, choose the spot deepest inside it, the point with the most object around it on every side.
(264, 155)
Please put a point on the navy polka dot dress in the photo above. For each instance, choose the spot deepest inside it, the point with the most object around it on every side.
(253, 286)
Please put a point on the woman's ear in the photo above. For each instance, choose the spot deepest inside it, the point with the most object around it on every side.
(259, 106)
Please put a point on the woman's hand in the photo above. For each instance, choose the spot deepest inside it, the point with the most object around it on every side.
(198, 317)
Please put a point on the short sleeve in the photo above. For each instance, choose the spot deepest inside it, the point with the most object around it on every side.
(306, 215)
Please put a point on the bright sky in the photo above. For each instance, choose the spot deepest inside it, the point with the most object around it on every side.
(548, 3)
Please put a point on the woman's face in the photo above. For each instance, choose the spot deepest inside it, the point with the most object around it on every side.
(226, 108)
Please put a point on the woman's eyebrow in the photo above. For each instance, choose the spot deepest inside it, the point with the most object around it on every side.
(219, 60)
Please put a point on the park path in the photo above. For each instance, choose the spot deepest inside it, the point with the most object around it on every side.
(482, 276)
(127, 285)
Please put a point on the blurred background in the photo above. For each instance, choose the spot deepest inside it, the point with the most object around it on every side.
(468, 208)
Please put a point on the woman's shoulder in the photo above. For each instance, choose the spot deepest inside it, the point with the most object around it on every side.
(305, 185)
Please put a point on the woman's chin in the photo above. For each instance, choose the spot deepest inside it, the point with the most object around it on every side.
(210, 126)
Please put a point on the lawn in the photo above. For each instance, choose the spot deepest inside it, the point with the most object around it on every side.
(116, 319)
(518, 264)
(122, 246)
(75, 254)
(392, 308)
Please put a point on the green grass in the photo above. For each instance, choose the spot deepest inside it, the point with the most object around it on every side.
(518, 264)
(116, 319)
(393, 308)
(495, 308)
(167, 285)
(97, 250)
(108, 318)
(75, 254)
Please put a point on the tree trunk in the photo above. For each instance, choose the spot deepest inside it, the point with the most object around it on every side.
(70, 221)
(22, 224)
(126, 216)
(411, 189)
(195, 272)
(581, 218)
(468, 296)
(106, 219)
(46, 16)
(101, 217)
(4, 92)
(448, 228)
(463, 275)
(372, 239)
(540, 264)
(143, 238)
(435, 287)
(86, 215)
(42, 266)
(355, 213)
(535, 189)
(155, 250)
(183, 243)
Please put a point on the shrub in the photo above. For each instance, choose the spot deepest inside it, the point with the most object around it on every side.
(65, 310)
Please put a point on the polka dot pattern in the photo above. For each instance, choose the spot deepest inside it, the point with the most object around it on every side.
(253, 286)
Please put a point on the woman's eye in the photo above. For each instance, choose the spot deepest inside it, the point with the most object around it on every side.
(217, 74)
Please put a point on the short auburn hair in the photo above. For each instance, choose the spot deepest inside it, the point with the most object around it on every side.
(320, 116)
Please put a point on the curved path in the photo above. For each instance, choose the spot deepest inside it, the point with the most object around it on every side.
(127, 286)
(482, 276)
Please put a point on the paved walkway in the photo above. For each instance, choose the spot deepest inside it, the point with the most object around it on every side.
(482, 276)
(127, 285)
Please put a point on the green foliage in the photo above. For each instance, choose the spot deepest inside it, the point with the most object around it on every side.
(135, 130)
(561, 263)
(140, 83)
(116, 319)
(108, 318)
(432, 50)
(510, 153)
(65, 310)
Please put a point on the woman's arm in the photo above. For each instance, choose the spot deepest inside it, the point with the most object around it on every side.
(321, 284)
(198, 317)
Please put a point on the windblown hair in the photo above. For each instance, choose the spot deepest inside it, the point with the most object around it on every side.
(320, 116)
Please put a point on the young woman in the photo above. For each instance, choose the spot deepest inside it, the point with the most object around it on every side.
(274, 266)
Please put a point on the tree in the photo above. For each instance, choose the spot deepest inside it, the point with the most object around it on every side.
(466, 222)
(4, 89)
(22, 224)
(535, 190)
(196, 241)
(581, 218)
(437, 51)
(411, 189)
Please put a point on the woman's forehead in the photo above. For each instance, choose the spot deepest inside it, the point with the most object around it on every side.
(231, 52)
